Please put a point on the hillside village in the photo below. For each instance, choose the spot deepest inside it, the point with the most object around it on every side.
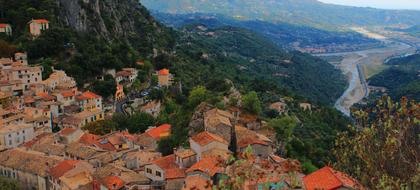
(44, 145)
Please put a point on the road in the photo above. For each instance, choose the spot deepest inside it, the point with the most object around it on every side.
(353, 65)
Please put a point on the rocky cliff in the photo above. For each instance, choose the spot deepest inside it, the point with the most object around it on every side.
(115, 19)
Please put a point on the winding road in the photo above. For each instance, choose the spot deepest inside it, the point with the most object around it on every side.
(353, 64)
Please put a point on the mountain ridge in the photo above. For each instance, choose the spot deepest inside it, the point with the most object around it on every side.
(304, 12)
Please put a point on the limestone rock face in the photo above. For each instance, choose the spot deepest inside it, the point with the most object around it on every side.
(113, 19)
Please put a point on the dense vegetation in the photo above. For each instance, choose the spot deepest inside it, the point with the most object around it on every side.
(246, 58)
(282, 34)
(8, 184)
(383, 150)
(402, 78)
(305, 12)
(413, 30)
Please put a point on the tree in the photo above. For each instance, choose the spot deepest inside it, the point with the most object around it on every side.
(140, 122)
(383, 150)
(251, 103)
(6, 49)
(101, 127)
(105, 88)
(197, 95)
(8, 184)
(284, 130)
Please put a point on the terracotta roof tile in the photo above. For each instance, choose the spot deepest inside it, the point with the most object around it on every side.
(62, 168)
(88, 95)
(113, 182)
(172, 170)
(4, 25)
(88, 139)
(208, 165)
(41, 21)
(67, 131)
(164, 72)
(159, 132)
(205, 138)
(328, 179)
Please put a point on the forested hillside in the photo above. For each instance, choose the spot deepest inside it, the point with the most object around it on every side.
(305, 12)
(241, 55)
(282, 34)
(402, 78)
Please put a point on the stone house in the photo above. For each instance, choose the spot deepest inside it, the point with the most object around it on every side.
(260, 144)
(185, 158)
(70, 135)
(136, 160)
(219, 122)
(153, 108)
(206, 141)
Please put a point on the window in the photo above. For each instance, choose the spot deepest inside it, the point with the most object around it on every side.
(158, 174)
(148, 170)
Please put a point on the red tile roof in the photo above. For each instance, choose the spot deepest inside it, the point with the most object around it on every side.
(88, 95)
(46, 96)
(88, 139)
(172, 170)
(4, 25)
(205, 138)
(67, 131)
(159, 132)
(164, 72)
(113, 182)
(243, 143)
(62, 168)
(66, 94)
(41, 21)
(197, 182)
(328, 179)
(208, 165)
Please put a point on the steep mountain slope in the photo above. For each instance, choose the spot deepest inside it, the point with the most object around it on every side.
(285, 35)
(243, 56)
(402, 78)
(308, 12)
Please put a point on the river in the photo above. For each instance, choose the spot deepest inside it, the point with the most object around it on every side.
(352, 66)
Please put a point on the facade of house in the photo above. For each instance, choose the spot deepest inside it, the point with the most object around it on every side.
(6, 29)
(167, 172)
(37, 26)
(165, 78)
(206, 141)
(119, 93)
(12, 136)
(30, 168)
(89, 101)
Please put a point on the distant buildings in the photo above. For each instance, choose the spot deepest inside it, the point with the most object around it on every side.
(6, 29)
(37, 26)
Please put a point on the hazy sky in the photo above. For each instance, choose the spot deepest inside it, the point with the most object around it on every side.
(387, 4)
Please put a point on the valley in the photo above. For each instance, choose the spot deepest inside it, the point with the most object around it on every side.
(360, 65)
